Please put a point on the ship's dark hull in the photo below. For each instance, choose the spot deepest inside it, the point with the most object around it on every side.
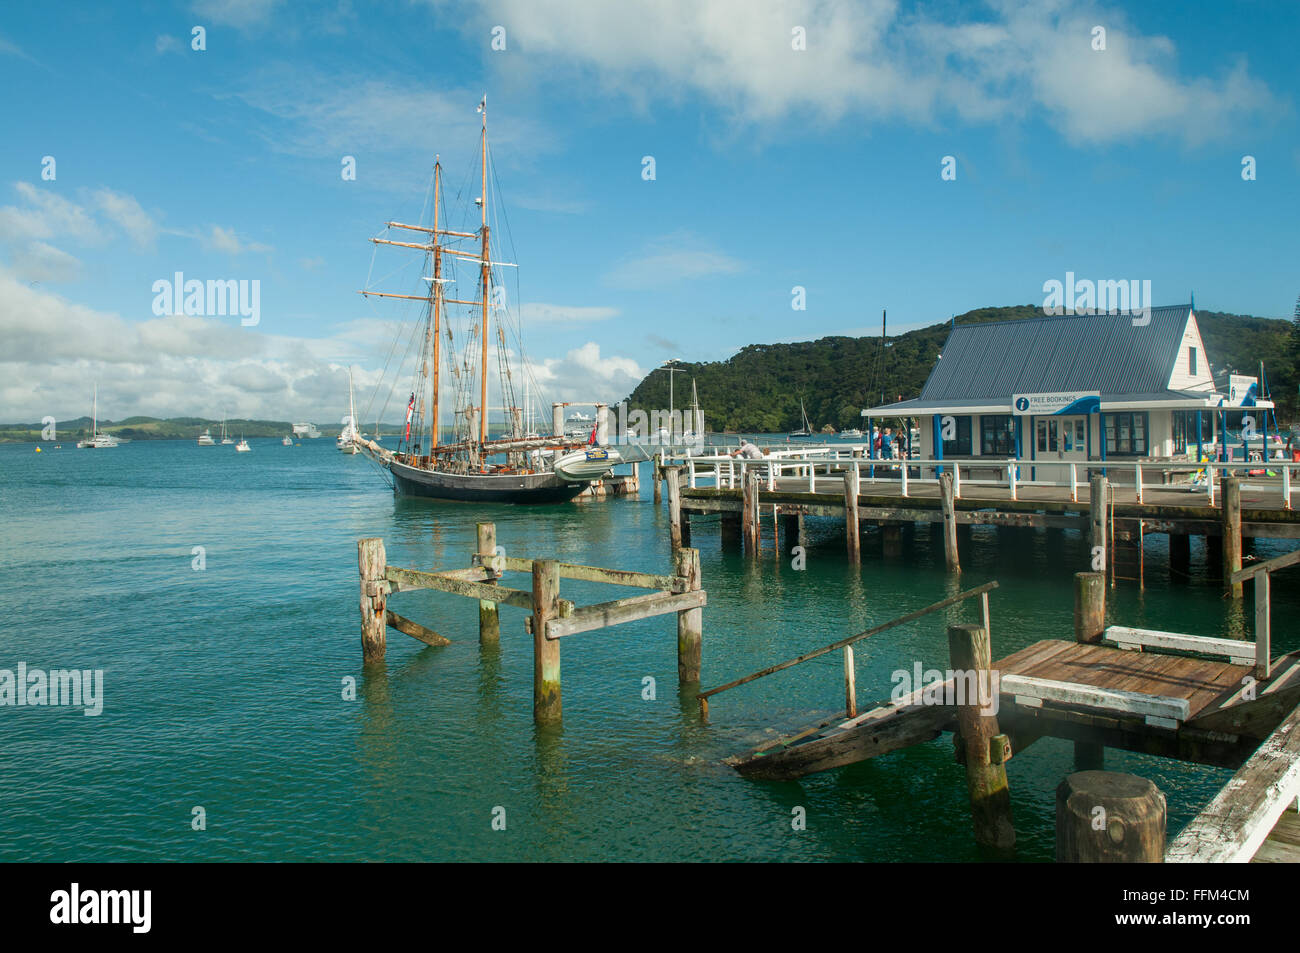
(485, 487)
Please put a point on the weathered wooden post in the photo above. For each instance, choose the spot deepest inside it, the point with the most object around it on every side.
(1098, 494)
(1263, 627)
(730, 529)
(891, 539)
(690, 622)
(658, 474)
(948, 500)
(489, 622)
(850, 683)
(546, 653)
(852, 487)
(1107, 817)
(971, 657)
(371, 562)
(1231, 533)
(750, 523)
(1089, 627)
(674, 508)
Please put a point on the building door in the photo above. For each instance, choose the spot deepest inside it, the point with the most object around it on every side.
(1063, 439)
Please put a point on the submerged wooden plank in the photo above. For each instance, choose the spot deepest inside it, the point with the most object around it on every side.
(1242, 815)
(414, 629)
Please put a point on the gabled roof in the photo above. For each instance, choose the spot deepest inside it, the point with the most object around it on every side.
(1102, 352)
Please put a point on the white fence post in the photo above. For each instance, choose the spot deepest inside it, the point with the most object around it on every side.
(956, 480)
(690, 465)
(1074, 483)
(904, 479)
(1137, 480)
(1011, 478)
(1209, 481)
(1286, 486)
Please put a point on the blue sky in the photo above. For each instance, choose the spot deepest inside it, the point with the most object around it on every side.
(774, 167)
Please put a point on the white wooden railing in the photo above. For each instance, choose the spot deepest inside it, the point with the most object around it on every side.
(812, 464)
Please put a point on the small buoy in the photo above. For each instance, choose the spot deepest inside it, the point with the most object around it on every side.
(38, 449)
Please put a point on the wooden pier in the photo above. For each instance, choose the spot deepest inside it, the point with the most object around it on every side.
(1116, 505)
(1211, 701)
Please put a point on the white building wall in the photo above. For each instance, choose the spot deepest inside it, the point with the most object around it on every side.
(1181, 377)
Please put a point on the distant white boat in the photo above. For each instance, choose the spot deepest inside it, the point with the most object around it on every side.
(589, 464)
(205, 439)
(306, 430)
(96, 440)
(348, 439)
(807, 429)
(242, 446)
(851, 433)
(225, 437)
(287, 441)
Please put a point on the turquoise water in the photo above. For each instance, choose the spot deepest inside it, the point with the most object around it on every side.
(223, 688)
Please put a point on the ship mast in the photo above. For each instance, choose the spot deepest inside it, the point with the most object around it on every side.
(487, 280)
(436, 292)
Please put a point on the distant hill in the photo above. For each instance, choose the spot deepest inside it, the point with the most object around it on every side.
(757, 390)
(154, 428)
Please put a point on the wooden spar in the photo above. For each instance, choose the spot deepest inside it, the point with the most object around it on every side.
(414, 629)
(835, 646)
(431, 231)
(406, 579)
(690, 622)
(389, 241)
(486, 270)
(1239, 818)
(475, 304)
(437, 310)
(986, 777)
(618, 577)
(489, 620)
(546, 651)
(1130, 811)
(389, 294)
(617, 611)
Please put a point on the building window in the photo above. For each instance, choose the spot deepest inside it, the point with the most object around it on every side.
(1191, 361)
(1184, 430)
(998, 435)
(1126, 434)
(960, 447)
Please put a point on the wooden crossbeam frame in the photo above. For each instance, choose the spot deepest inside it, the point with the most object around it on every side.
(587, 618)
(618, 577)
(1161, 711)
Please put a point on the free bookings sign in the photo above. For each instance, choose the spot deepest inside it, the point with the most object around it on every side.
(1056, 404)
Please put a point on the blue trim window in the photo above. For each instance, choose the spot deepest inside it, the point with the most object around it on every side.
(959, 447)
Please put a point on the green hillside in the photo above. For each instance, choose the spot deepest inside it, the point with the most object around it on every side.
(757, 390)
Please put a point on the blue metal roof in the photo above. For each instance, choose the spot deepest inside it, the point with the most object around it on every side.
(1105, 353)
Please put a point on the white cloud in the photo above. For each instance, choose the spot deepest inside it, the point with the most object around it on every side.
(126, 212)
(557, 314)
(669, 259)
(237, 13)
(165, 43)
(880, 60)
(45, 215)
(225, 240)
(38, 261)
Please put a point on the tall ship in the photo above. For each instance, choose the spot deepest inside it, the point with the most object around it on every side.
(461, 291)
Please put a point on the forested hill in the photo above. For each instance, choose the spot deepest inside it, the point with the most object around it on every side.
(758, 389)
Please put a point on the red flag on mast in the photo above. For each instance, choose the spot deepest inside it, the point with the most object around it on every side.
(410, 411)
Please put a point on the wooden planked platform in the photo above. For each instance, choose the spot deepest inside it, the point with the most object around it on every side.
(1282, 846)
(1207, 686)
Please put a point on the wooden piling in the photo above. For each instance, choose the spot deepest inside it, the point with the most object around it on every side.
(891, 540)
(1089, 627)
(546, 653)
(969, 651)
(1107, 817)
(371, 562)
(658, 475)
(852, 486)
(850, 683)
(1098, 498)
(674, 508)
(489, 621)
(730, 529)
(751, 526)
(1231, 497)
(690, 622)
(948, 500)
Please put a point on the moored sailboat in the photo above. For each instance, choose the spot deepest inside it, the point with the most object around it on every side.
(515, 467)
(97, 440)
(348, 439)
